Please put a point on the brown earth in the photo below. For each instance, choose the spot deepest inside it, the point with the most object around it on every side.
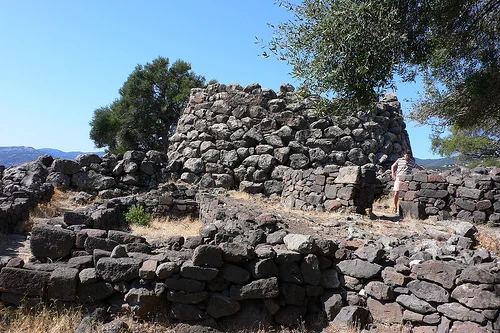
(338, 226)
(349, 227)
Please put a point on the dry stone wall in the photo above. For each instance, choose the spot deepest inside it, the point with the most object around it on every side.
(229, 137)
(248, 138)
(330, 188)
(21, 189)
(245, 269)
(466, 194)
(110, 176)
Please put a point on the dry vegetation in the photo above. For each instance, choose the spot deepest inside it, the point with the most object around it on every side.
(162, 228)
(42, 319)
(61, 201)
(45, 319)
(489, 239)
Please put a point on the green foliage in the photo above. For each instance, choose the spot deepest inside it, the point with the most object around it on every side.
(350, 51)
(137, 215)
(150, 104)
(488, 162)
(348, 48)
(470, 144)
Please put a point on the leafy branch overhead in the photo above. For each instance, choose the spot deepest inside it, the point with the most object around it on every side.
(350, 52)
(150, 104)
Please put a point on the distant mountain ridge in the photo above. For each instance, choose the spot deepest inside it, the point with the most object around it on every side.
(436, 163)
(17, 155)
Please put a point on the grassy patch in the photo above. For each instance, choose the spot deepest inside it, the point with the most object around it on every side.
(61, 201)
(162, 228)
(24, 319)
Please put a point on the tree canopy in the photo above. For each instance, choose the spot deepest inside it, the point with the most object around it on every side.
(150, 104)
(352, 51)
(470, 144)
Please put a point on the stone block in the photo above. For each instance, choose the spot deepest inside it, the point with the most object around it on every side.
(62, 284)
(23, 282)
(414, 210)
(51, 242)
(349, 175)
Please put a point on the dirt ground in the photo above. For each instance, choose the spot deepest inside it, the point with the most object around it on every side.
(15, 245)
(338, 226)
(344, 226)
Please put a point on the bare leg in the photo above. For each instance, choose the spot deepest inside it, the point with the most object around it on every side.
(396, 199)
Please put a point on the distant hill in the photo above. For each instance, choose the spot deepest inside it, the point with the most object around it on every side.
(17, 155)
(436, 163)
(71, 155)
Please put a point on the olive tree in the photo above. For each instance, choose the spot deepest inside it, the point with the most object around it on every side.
(150, 104)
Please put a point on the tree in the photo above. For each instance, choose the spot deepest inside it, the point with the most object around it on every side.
(150, 104)
(350, 51)
(471, 145)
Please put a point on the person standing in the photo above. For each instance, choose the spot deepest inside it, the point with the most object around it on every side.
(402, 166)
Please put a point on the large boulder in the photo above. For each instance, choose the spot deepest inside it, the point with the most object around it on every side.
(359, 269)
(143, 302)
(91, 180)
(63, 284)
(23, 282)
(118, 269)
(65, 166)
(52, 242)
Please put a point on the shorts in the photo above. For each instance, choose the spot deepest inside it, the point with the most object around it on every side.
(397, 184)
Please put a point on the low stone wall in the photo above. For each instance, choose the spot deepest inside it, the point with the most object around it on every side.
(245, 270)
(330, 188)
(466, 194)
(134, 177)
(21, 189)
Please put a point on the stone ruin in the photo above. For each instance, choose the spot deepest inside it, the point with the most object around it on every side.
(245, 270)
(274, 143)
(245, 267)
(251, 138)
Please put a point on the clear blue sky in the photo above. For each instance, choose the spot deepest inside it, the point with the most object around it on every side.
(62, 59)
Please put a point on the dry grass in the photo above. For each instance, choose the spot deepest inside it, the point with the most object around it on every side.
(251, 197)
(44, 319)
(61, 201)
(277, 205)
(162, 228)
(340, 329)
(155, 326)
(489, 239)
(158, 324)
(40, 319)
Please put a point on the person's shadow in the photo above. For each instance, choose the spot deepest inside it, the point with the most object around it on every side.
(384, 216)
(392, 218)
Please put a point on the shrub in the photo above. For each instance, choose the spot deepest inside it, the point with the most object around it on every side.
(137, 215)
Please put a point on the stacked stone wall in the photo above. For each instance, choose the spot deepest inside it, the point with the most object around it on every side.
(229, 137)
(331, 188)
(261, 142)
(466, 194)
(23, 187)
(245, 269)
(248, 138)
